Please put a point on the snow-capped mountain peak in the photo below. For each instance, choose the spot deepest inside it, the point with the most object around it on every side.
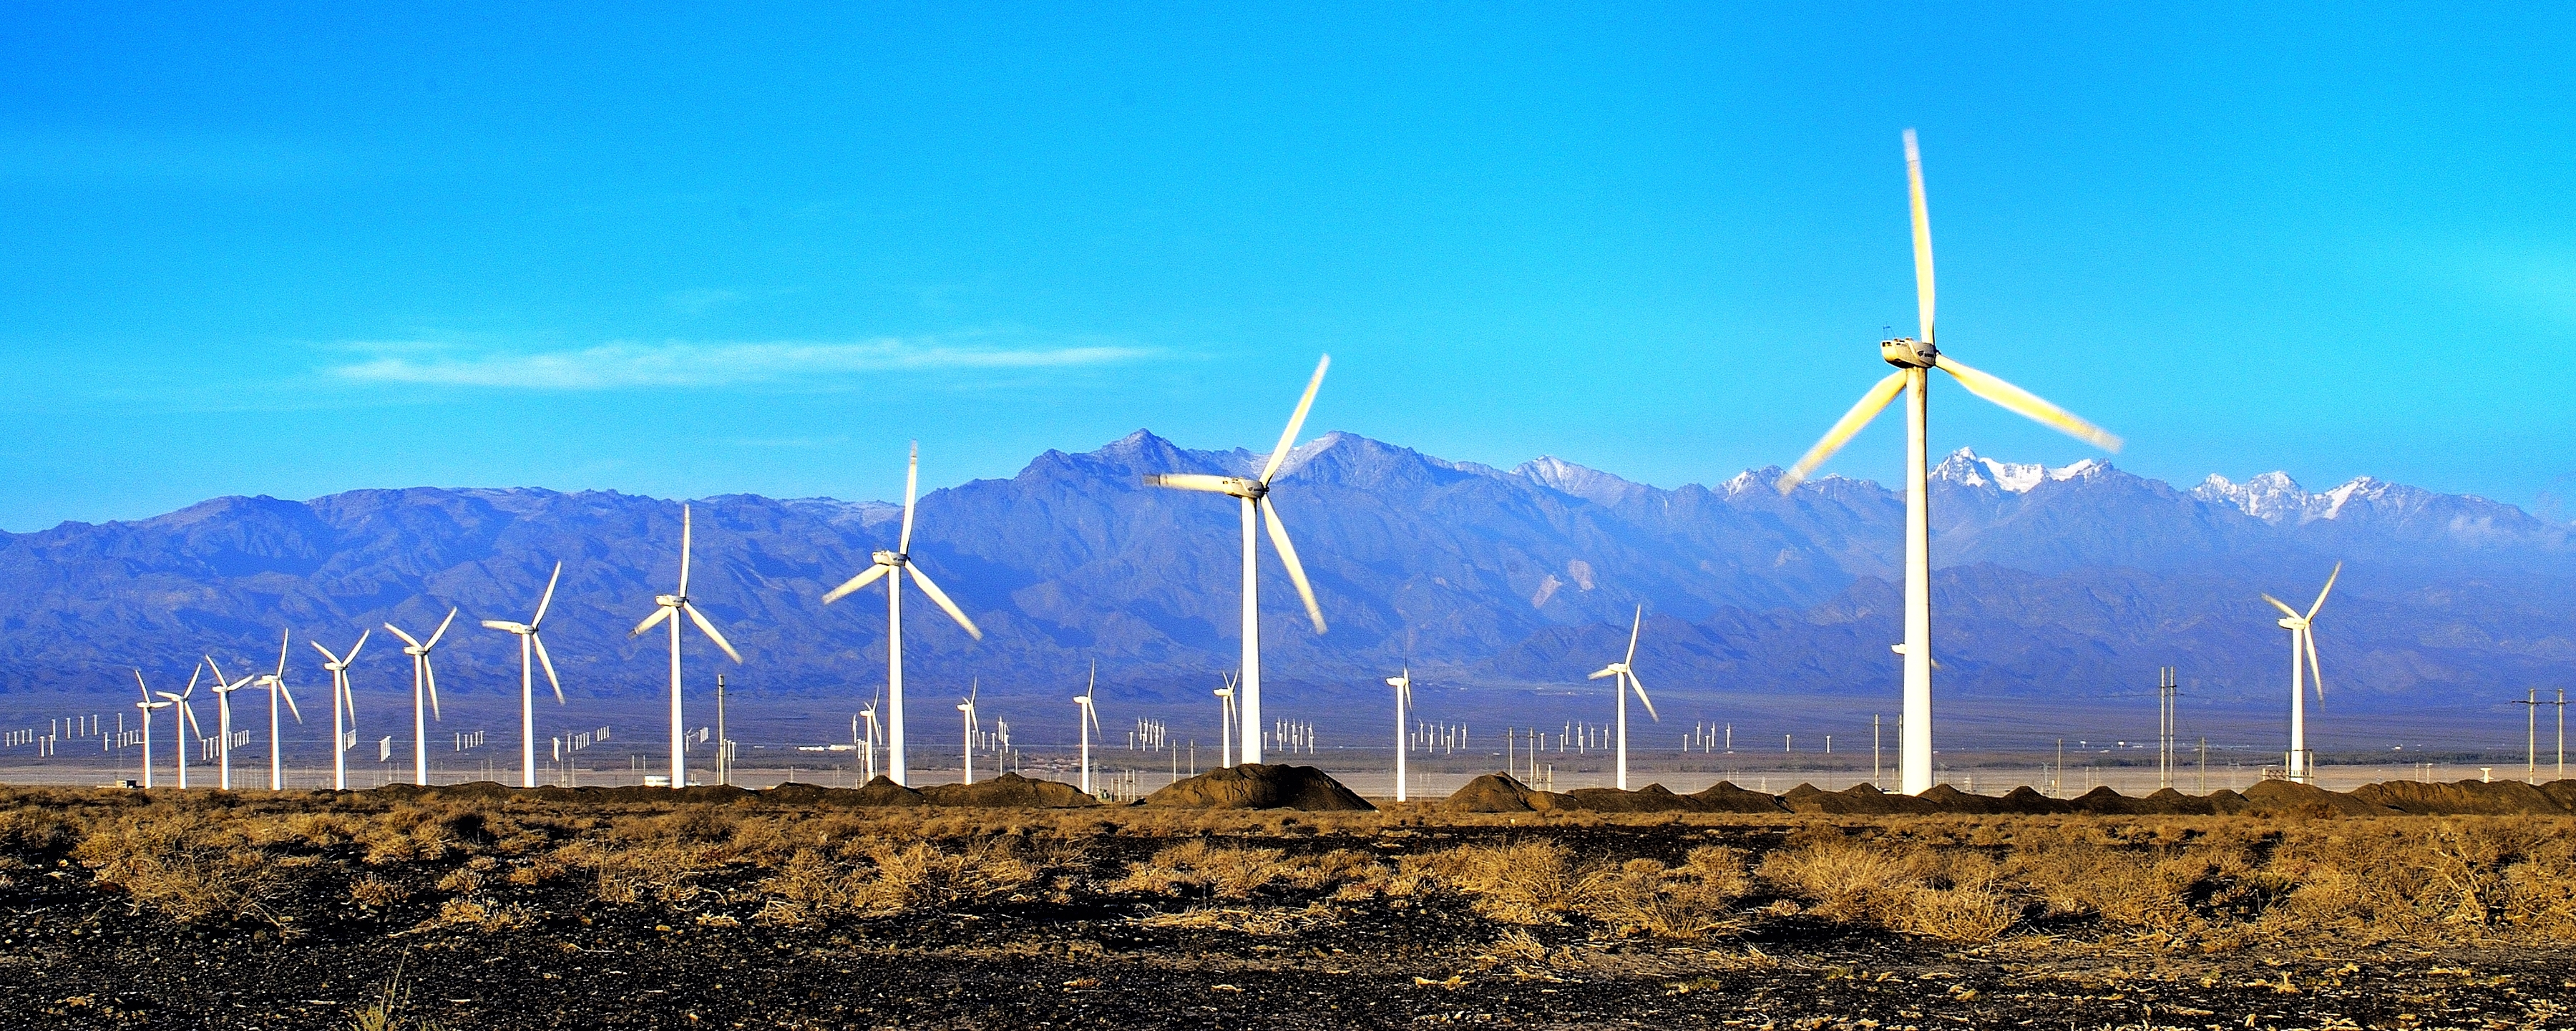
(1968, 469)
(1568, 478)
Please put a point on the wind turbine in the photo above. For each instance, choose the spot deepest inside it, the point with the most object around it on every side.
(186, 724)
(276, 684)
(147, 705)
(967, 706)
(2303, 646)
(891, 567)
(1914, 359)
(344, 709)
(1403, 685)
(529, 641)
(424, 681)
(668, 607)
(870, 714)
(1225, 724)
(1089, 721)
(224, 689)
(1624, 669)
(1255, 493)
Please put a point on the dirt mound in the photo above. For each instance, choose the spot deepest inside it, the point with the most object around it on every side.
(2027, 801)
(1725, 797)
(1010, 791)
(2101, 801)
(2169, 802)
(2465, 798)
(1260, 786)
(1858, 799)
(2291, 797)
(2562, 792)
(1952, 800)
(1653, 798)
(1502, 793)
(882, 791)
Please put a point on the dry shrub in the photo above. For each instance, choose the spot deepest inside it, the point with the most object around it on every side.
(1223, 871)
(1529, 882)
(1951, 895)
(1642, 896)
(2122, 888)
(1262, 921)
(374, 892)
(185, 865)
(812, 886)
(483, 915)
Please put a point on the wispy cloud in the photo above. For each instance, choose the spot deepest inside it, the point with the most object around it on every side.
(624, 365)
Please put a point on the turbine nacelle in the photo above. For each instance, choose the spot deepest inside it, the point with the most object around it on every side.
(890, 558)
(1909, 353)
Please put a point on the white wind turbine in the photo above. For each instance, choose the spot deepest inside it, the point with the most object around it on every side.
(1624, 669)
(344, 709)
(2303, 646)
(528, 642)
(147, 705)
(1225, 723)
(966, 706)
(669, 607)
(186, 724)
(1914, 359)
(424, 689)
(1089, 721)
(276, 684)
(1403, 685)
(224, 689)
(892, 566)
(1255, 494)
(870, 715)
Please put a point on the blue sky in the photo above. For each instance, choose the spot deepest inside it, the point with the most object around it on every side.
(298, 251)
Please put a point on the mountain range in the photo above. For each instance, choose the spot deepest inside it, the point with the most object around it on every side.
(2070, 583)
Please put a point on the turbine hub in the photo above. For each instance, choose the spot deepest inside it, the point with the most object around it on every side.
(2292, 624)
(668, 601)
(891, 558)
(1908, 353)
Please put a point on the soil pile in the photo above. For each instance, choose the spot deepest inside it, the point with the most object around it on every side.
(1502, 793)
(1260, 786)
(2283, 796)
(1858, 799)
(881, 791)
(2468, 797)
(1725, 797)
(1009, 790)
(2027, 801)
(1653, 798)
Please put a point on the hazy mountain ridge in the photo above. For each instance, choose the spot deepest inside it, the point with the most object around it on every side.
(2075, 580)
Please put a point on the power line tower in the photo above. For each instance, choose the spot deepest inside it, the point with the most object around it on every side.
(2166, 690)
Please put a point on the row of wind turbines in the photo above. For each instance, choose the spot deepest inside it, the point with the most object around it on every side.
(1241, 701)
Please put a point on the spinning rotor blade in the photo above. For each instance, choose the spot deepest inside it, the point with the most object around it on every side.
(290, 700)
(2329, 589)
(1192, 481)
(192, 682)
(505, 625)
(546, 599)
(548, 662)
(1604, 671)
(1640, 687)
(2314, 672)
(660, 613)
(1922, 235)
(429, 679)
(442, 628)
(189, 712)
(911, 481)
(328, 660)
(1636, 622)
(941, 597)
(1870, 405)
(1296, 421)
(2027, 405)
(282, 641)
(139, 685)
(220, 679)
(854, 583)
(2285, 610)
(398, 632)
(353, 649)
(1288, 553)
(709, 628)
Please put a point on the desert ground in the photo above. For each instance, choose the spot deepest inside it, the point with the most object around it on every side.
(1019, 906)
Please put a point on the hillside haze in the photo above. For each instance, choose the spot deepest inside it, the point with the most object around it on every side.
(2066, 583)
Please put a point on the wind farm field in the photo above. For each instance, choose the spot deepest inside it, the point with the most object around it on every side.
(477, 906)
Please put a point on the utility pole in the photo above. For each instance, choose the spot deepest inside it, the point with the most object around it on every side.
(2562, 733)
(2531, 704)
(724, 770)
(1877, 777)
(2204, 766)
(2166, 689)
(2057, 774)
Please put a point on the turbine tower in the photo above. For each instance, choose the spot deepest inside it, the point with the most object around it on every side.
(669, 607)
(276, 684)
(2303, 661)
(185, 725)
(1914, 359)
(1624, 669)
(147, 705)
(1255, 494)
(344, 709)
(966, 706)
(1403, 685)
(530, 642)
(1089, 721)
(224, 721)
(424, 693)
(892, 566)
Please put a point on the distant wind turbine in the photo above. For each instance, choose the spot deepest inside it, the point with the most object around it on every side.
(186, 725)
(966, 706)
(870, 714)
(1257, 508)
(1403, 685)
(1088, 721)
(1625, 670)
(1914, 360)
(1225, 723)
(530, 642)
(424, 693)
(276, 683)
(892, 566)
(224, 689)
(147, 705)
(2303, 646)
(669, 607)
(344, 709)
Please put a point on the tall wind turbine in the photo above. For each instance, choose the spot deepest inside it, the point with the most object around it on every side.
(1403, 685)
(147, 705)
(1089, 720)
(186, 725)
(1914, 359)
(1225, 723)
(892, 566)
(966, 706)
(528, 642)
(424, 687)
(668, 607)
(1625, 670)
(276, 684)
(2303, 661)
(1255, 494)
(224, 689)
(344, 709)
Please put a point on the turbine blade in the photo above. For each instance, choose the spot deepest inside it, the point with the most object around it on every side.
(547, 599)
(283, 640)
(220, 678)
(854, 583)
(1296, 421)
(398, 632)
(1640, 686)
(1922, 235)
(353, 649)
(2027, 405)
(192, 681)
(660, 613)
(429, 678)
(2329, 589)
(549, 663)
(1844, 428)
(290, 701)
(442, 629)
(709, 628)
(1603, 672)
(1288, 556)
(2285, 610)
(190, 711)
(1192, 481)
(326, 653)
(941, 597)
(1636, 622)
(139, 685)
(2315, 672)
(684, 551)
(911, 481)
(504, 625)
